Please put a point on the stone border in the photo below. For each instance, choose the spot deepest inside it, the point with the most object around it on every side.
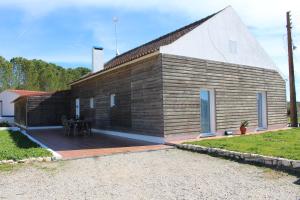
(269, 161)
(27, 160)
(55, 155)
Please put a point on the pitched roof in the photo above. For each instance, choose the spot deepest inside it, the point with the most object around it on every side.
(43, 94)
(149, 47)
(28, 92)
(154, 45)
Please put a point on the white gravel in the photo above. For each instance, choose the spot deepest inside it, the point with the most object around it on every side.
(163, 174)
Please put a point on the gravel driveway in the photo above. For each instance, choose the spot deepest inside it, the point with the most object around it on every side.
(162, 174)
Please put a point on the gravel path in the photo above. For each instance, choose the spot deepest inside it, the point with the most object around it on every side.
(163, 174)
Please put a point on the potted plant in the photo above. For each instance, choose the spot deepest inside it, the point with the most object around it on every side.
(243, 127)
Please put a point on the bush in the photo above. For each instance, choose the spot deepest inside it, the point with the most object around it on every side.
(4, 124)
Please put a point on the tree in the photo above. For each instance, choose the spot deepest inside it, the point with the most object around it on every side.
(5, 74)
(21, 73)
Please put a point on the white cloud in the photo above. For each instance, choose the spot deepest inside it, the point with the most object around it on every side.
(104, 34)
(267, 12)
(64, 58)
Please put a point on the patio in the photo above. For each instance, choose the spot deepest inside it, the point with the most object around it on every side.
(70, 147)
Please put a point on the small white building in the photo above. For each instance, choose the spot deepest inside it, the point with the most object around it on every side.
(7, 97)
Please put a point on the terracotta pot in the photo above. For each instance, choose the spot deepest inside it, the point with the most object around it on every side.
(243, 130)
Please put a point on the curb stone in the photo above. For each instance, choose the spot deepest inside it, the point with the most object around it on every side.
(28, 160)
(269, 161)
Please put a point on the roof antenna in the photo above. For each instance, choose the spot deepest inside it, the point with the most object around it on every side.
(115, 20)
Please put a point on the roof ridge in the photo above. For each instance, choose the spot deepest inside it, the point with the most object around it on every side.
(188, 27)
(149, 47)
(165, 35)
(25, 90)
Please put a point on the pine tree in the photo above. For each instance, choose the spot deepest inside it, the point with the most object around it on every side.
(21, 73)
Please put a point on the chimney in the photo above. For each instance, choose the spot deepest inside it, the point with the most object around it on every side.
(97, 59)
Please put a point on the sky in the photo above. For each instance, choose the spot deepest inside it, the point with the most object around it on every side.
(64, 31)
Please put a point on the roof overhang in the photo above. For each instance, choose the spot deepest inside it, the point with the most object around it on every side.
(19, 98)
(32, 95)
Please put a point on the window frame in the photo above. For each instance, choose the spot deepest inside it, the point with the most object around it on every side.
(77, 108)
(112, 98)
(92, 102)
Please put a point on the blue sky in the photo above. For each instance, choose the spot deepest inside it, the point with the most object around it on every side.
(63, 31)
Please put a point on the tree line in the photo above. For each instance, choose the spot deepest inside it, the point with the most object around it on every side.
(21, 73)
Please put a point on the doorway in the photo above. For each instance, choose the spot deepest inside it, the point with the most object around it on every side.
(207, 112)
(262, 110)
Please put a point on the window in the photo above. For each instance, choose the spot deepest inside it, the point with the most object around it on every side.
(92, 102)
(262, 110)
(207, 112)
(232, 46)
(112, 100)
(77, 108)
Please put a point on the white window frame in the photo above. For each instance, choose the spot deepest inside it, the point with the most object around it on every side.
(264, 111)
(92, 103)
(77, 108)
(212, 111)
(112, 100)
(233, 47)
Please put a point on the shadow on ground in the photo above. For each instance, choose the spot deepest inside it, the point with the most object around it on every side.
(21, 141)
(56, 140)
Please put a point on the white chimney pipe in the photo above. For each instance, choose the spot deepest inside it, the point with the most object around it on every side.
(97, 59)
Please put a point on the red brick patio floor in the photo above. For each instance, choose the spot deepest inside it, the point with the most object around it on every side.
(70, 147)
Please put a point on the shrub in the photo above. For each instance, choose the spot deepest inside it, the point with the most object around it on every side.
(4, 124)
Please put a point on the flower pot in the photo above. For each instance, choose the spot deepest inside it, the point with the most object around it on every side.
(243, 130)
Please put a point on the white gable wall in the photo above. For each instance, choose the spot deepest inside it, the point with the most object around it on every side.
(222, 38)
(7, 106)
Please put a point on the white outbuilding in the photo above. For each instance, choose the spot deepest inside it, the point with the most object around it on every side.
(6, 103)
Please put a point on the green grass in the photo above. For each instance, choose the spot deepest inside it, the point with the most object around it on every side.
(8, 167)
(284, 144)
(289, 120)
(16, 146)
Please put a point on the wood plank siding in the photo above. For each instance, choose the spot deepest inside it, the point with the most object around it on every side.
(235, 90)
(159, 96)
(20, 111)
(44, 110)
(47, 110)
(138, 90)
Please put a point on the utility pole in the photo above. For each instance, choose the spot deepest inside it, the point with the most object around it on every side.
(293, 102)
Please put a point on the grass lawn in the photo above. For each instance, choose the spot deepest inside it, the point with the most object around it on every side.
(285, 143)
(16, 146)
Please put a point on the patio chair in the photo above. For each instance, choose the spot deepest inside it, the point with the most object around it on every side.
(85, 127)
(66, 125)
(88, 127)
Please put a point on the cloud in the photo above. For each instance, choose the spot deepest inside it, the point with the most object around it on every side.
(253, 11)
(266, 19)
(267, 24)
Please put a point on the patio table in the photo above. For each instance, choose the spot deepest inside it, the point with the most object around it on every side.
(79, 125)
